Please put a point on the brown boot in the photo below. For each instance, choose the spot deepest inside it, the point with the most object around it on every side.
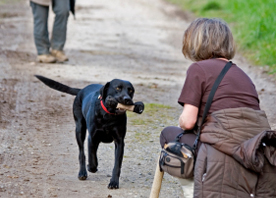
(60, 56)
(46, 58)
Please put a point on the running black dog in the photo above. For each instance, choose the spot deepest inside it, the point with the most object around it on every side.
(95, 110)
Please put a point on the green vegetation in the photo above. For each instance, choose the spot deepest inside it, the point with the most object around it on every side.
(147, 127)
(9, 1)
(253, 23)
(152, 110)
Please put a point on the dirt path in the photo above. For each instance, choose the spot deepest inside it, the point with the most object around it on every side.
(134, 40)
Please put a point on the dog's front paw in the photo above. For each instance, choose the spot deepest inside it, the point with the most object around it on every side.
(82, 175)
(138, 107)
(113, 185)
(92, 169)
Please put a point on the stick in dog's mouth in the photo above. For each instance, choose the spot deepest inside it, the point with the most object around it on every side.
(130, 108)
(125, 107)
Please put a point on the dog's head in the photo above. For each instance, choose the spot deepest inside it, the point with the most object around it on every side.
(120, 90)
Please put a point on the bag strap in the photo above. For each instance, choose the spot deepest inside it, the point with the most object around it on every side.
(210, 99)
(177, 139)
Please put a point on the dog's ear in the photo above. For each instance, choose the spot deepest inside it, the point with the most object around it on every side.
(103, 90)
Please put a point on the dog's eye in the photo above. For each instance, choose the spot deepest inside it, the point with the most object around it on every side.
(118, 88)
(130, 91)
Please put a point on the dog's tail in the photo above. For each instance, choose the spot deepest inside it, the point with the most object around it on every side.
(58, 86)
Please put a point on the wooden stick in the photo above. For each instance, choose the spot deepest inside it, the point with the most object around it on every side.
(125, 107)
(157, 182)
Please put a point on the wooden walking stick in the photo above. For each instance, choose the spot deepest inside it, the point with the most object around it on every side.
(157, 182)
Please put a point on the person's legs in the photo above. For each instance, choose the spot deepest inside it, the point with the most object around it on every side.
(187, 187)
(41, 36)
(169, 134)
(61, 9)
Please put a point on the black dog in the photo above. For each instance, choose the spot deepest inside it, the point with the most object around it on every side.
(95, 110)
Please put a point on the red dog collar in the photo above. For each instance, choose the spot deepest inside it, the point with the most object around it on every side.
(104, 108)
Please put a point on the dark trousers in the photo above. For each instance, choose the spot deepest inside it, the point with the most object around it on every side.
(169, 134)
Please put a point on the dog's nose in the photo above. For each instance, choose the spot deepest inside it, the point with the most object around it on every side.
(127, 100)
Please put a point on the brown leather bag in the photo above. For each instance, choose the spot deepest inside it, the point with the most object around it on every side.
(178, 160)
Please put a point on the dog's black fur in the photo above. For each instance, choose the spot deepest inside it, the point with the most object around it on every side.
(102, 126)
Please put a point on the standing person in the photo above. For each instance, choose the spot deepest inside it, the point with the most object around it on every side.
(237, 154)
(40, 9)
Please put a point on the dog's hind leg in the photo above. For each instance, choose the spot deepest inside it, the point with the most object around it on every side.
(80, 137)
(93, 144)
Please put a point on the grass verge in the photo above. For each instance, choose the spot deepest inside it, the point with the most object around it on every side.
(147, 126)
(2, 2)
(252, 22)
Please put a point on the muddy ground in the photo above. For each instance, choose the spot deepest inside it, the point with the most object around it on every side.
(137, 40)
